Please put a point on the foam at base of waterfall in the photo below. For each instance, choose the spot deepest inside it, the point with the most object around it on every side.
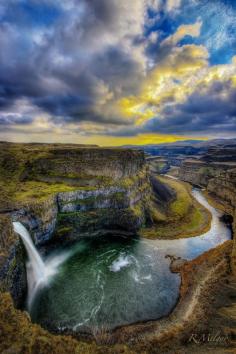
(39, 272)
(121, 262)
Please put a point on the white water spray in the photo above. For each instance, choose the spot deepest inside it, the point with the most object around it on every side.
(37, 265)
(38, 271)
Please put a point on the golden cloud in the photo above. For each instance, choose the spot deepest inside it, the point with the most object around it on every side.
(182, 31)
(183, 71)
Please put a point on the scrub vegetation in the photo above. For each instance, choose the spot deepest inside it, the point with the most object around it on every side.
(180, 217)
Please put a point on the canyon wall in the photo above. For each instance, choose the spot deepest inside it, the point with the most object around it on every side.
(12, 262)
(219, 180)
(84, 163)
(62, 193)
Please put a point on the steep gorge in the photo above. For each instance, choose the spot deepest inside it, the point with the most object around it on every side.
(54, 191)
(219, 180)
(64, 193)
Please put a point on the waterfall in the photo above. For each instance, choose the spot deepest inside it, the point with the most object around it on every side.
(35, 260)
(38, 271)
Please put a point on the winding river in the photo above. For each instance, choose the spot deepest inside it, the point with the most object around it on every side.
(105, 283)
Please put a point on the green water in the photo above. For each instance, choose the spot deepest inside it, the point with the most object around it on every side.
(107, 283)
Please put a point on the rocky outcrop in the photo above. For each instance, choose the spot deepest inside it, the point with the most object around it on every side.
(233, 256)
(219, 180)
(118, 209)
(87, 212)
(224, 187)
(12, 262)
(105, 181)
(221, 154)
(199, 172)
(39, 218)
(84, 163)
(100, 191)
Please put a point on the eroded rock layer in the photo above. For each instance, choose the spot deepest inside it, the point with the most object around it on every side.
(219, 180)
(64, 193)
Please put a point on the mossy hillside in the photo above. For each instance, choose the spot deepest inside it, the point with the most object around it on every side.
(13, 159)
(79, 163)
(177, 204)
(39, 191)
(19, 335)
(182, 217)
(183, 203)
(158, 165)
(37, 205)
(7, 237)
(28, 171)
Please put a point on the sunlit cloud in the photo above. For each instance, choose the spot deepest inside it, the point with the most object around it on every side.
(110, 71)
(182, 31)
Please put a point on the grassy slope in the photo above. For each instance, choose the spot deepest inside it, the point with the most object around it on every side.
(33, 190)
(183, 217)
(15, 189)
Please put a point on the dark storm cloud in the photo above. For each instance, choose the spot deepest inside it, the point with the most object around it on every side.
(73, 60)
(212, 111)
(118, 70)
(67, 59)
(11, 119)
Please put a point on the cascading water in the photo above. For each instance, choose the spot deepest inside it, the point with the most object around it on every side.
(38, 267)
(110, 282)
(38, 271)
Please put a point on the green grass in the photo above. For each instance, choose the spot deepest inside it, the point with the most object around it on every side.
(184, 217)
(32, 190)
(183, 202)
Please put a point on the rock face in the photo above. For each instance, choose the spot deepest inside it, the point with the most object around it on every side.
(84, 163)
(89, 191)
(213, 164)
(219, 180)
(118, 206)
(200, 172)
(12, 262)
(115, 208)
(224, 186)
(39, 218)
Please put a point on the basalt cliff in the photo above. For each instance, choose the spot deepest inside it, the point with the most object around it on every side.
(64, 192)
(216, 172)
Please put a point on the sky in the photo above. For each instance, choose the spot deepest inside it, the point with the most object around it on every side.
(115, 72)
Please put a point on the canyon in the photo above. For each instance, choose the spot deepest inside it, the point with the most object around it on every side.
(216, 172)
(64, 193)
(59, 193)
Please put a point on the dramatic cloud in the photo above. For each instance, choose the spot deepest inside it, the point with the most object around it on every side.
(88, 68)
(182, 31)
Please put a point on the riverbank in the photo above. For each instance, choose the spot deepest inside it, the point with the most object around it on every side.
(201, 280)
(182, 217)
(201, 283)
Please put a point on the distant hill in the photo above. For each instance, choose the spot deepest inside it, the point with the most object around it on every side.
(185, 147)
(195, 143)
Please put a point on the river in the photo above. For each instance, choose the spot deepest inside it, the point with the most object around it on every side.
(105, 283)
